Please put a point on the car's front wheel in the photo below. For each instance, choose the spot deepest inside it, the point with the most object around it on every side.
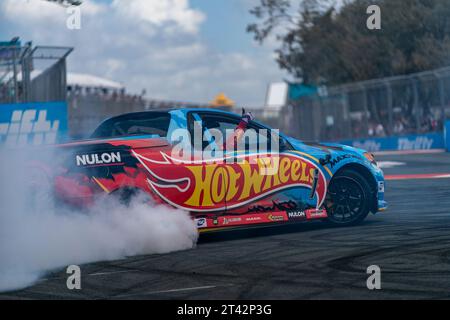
(348, 198)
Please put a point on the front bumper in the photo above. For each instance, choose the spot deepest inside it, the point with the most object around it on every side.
(382, 205)
(381, 184)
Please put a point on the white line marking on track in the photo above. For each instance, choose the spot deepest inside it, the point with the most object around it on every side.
(108, 273)
(443, 176)
(400, 152)
(167, 291)
(417, 176)
(390, 164)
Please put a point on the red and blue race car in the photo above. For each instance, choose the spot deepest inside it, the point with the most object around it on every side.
(222, 183)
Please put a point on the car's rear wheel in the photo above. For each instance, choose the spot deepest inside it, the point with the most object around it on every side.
(348, 199)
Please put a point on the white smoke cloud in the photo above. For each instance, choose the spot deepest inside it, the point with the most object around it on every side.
(37, 236)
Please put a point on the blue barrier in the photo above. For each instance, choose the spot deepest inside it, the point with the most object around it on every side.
(447, 135)
(33, 123)
(409, 142)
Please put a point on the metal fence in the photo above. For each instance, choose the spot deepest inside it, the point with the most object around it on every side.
(413, 104)
(30, 74)
(11, 63)
(87, 110)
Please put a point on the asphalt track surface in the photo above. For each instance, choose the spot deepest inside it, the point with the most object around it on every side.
(410, 243)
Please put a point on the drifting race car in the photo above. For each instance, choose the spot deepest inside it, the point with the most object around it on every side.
(139, 152)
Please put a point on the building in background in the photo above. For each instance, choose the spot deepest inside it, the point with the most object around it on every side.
(80, 83)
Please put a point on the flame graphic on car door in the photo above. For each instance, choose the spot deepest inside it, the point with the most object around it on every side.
(211, 185)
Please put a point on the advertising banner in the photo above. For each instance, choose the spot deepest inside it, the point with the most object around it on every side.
(426, 141)
(33, 123)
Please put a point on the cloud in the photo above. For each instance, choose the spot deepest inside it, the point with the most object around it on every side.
(146, 44)
(161, 12)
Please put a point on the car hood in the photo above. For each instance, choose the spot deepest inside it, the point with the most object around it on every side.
(321, 150)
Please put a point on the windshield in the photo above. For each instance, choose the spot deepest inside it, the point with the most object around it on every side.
(146, 123)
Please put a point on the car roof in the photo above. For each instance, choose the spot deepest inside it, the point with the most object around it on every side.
(184, 111)
(169, 110)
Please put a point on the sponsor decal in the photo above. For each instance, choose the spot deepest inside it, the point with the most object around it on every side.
(201, 223)
(206, 186)
(96, 159)
(276, 217)
(246, 219)
(316, 213)
(253, 219)
(297, 214)
(276, 206)
(369, 145)
(380, 186)
(29, 126)
(335, 161)
(409, 142)
(226, 221)
(418, 143)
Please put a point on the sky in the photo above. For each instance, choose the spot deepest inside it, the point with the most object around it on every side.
(183, 50)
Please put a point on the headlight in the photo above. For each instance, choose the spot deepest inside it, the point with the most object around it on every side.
(369, 156)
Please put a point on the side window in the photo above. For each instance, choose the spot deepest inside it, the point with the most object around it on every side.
(210, 123)
(224, 125)
(269, 140)
(254, 139)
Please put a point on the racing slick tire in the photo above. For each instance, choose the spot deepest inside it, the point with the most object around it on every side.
(348, 199)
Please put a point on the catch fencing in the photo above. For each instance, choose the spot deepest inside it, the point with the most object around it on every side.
(33, 94)
(30, 74)
(414, 107)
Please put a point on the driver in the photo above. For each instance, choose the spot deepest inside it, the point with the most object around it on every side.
(232, 141)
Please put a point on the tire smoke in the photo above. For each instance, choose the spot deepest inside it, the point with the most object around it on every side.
(37, 237)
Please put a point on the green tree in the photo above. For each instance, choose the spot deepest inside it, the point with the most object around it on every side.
(321, 43)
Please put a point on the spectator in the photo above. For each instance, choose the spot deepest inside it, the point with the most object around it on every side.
(371, 129)
(379, 130)
(399, 128)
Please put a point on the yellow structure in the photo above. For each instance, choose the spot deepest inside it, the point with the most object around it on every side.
(221, 100)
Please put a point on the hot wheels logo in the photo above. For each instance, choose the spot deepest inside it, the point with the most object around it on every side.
(210, 186)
